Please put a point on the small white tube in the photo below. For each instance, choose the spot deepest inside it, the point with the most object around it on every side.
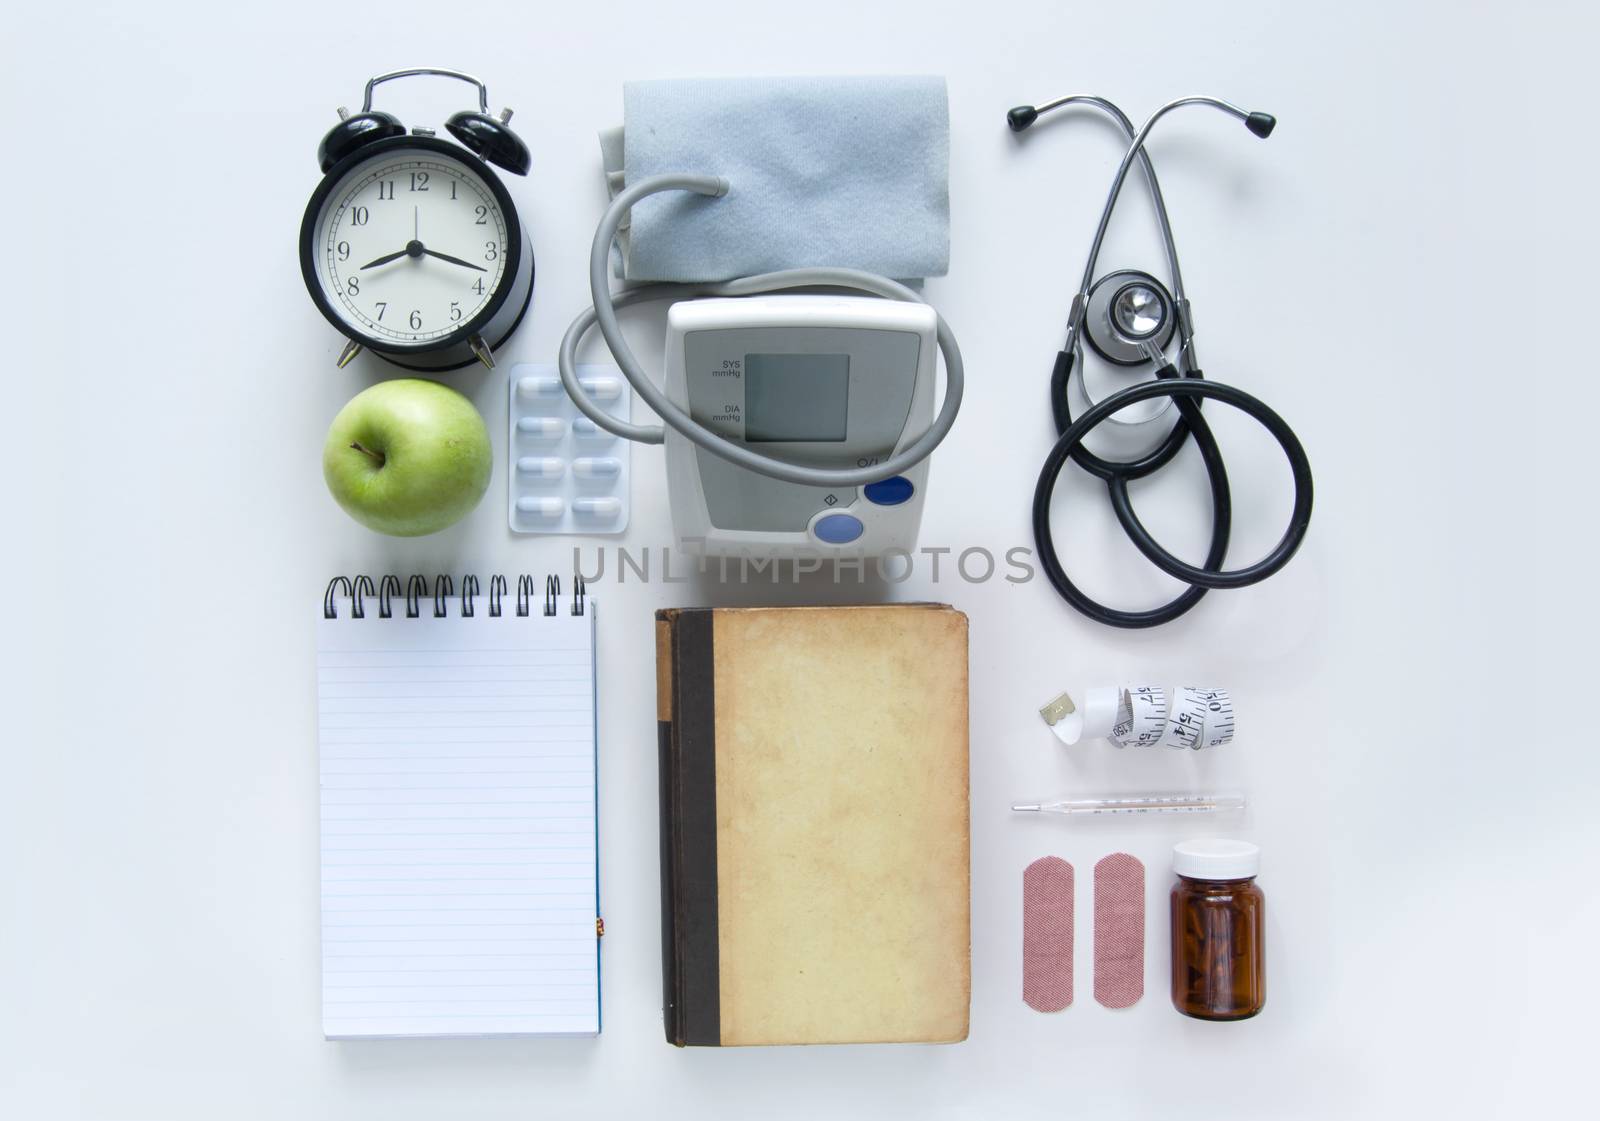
(540, 427)
(539, 386)
(541, 467)
(597, 467)
(540, 507)
(601, 389)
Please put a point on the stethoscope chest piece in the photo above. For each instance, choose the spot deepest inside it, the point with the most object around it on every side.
(1128, 310)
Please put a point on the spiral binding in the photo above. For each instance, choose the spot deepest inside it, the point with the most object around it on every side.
(357, 589)
(388, 587)
(362, 586)
(328, 611)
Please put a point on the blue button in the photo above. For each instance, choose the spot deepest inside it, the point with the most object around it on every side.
(889, 492)
(838, 529)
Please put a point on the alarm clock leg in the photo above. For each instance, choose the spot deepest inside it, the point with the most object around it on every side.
(481, 349)
(348, 354)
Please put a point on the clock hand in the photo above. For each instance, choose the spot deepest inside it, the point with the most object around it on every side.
(454, 260)
(413, 249)
(384, 260)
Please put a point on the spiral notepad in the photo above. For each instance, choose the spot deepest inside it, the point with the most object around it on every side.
(459, 866)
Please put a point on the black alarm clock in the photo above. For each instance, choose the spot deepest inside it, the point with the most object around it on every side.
(411, 246)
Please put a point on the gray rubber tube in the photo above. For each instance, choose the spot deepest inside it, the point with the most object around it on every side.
(604, 313)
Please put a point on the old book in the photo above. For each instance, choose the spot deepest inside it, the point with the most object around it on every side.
(814, 824)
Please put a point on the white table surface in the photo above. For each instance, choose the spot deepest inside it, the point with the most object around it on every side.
(170, 385)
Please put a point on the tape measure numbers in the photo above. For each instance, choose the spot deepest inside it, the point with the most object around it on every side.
(1142, 716)
(1203, 718)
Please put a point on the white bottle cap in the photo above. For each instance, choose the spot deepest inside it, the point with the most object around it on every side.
(1213, 858)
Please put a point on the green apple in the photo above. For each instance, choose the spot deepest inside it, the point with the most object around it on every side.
(408, 457)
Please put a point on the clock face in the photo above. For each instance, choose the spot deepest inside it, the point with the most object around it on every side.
(410, 247)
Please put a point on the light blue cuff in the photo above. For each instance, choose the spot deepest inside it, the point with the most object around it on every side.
(828, 172)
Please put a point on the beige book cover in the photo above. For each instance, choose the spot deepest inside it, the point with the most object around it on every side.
(815, 843)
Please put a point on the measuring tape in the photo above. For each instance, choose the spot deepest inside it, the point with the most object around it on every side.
(1143, 716)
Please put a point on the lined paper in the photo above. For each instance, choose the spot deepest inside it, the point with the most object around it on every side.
(459, 875)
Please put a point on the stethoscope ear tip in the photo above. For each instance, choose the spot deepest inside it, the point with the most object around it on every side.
(1024, 115)
(1261, 124)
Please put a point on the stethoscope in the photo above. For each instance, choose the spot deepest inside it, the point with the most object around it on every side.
(1129, 318)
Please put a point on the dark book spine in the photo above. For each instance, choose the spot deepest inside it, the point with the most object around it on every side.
(669, 941)
(666, 774)
(689, 837)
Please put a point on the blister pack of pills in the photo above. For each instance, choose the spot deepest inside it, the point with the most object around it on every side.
(568, 475)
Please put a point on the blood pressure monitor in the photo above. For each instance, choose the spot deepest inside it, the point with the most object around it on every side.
(825, 381)
(794, 425)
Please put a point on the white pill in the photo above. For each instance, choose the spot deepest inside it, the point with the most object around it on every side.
(541, 466)
(597, 467)
(542, 386)
(602, 389)
(586, 429)
(543, 507)
(540, 427)
(597, 507)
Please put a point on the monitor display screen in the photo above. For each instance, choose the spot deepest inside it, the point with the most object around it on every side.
(795, 397)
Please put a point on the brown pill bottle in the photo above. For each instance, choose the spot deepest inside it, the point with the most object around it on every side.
(1218, 924)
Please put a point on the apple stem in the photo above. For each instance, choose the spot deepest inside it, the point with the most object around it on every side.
(368, 451)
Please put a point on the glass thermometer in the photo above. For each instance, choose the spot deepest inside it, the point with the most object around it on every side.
(1139, 804)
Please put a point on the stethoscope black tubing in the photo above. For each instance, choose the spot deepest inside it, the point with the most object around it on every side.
(1105, 469)
(1071, 437)
(1200, 579)
(1209, 576)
